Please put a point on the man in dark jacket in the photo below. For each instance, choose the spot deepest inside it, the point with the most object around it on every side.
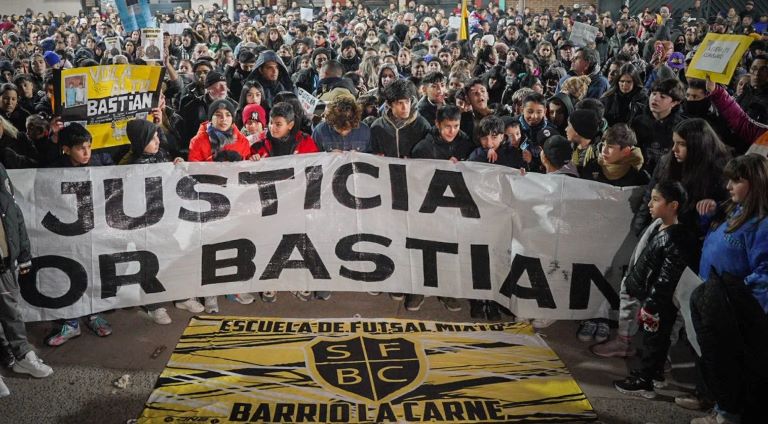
(397, 131)
(194, 109)
(15, 254)
(237, 74)
(350, 58)
(434, 97)
(273, 76)
(754, 99)
(587, 62)
(308, 79)
(331, 77)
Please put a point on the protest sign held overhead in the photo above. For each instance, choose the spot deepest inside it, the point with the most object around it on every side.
(718, 56)
(104, 98)
(152, 42)
(134, 14)
(583, 34)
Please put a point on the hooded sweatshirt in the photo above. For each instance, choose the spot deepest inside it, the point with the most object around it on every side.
(271, 88)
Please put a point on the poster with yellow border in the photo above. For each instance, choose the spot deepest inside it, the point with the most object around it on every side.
(718, 56)
(247, 369)
(104, 98)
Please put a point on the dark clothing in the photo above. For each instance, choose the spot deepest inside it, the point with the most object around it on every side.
(160, 157)
(271, 88)
(350, 65)
(622, 108)
(755, 103)
(508, 155)
(433, 146)
(19, 152)
(307, 79)
(235, 79)
(397, 140)
(731, 329)
(326, 85)
(194, 111)
(654, 137)
(427, 109)
(97, 159)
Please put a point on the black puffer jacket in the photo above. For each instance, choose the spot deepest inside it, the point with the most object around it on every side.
(657, 271)
(13, 223)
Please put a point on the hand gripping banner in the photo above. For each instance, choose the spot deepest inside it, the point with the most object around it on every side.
(110, 237)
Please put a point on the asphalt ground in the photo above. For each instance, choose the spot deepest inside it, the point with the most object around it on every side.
(81, 390)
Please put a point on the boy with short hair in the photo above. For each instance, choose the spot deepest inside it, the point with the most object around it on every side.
(400, 127)
(650, 285)
(508, 151)
(620, 162)
(434, 88)
(75, 141)
(654, 126)
(533, 121)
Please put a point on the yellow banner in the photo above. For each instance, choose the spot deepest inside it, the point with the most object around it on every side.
(244, 369)
(718, 56)
(105, 98)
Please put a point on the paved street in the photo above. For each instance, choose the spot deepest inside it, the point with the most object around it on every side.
(80, 390)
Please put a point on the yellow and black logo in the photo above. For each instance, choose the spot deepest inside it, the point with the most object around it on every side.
(367, 368)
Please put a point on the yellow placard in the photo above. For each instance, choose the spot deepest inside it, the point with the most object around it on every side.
(248, 369)
(105, 98)
(718, 56)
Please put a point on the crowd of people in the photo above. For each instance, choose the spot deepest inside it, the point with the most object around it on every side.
(402, 83)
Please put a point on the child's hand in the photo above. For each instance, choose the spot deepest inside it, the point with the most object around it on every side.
(650, 321)
(178, 161)
(523, 171)
(492, 156)
(706, 207)
(453, 159)
(256, 157)
(527, 156)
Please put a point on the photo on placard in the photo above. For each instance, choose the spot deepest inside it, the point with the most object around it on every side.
(76, 89)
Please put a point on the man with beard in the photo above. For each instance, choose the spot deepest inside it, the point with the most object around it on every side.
(587, 62)
(194, 109)
(309, 78)
(566, 54)
(273, 76)
(227, 35)
(512, 38)
(350, 59)
(618, 40)
(754, 99)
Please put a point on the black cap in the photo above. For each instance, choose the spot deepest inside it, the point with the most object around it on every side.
(246, 56)
(221, 104)
(631, 39)
(567, 44)
(213, 77)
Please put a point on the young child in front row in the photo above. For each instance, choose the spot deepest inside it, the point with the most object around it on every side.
(650, 284)
(504, 150)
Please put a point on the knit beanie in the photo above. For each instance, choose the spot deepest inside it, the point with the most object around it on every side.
(254, 111)
(585, 122)
(140, 132)
(221, 104)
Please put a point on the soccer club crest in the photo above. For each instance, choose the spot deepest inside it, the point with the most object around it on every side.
(365, 367)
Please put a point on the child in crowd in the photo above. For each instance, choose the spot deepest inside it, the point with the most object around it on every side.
(660, 258)
(254, 122)
(284, 138)
(75, 143)
(533, 120)
(508, 151)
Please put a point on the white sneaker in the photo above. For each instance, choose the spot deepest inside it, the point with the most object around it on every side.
(241, 298)
(4, 389)
(211, 305)
(32, 365)
(160, 316)
(542, 322)
(191, 305)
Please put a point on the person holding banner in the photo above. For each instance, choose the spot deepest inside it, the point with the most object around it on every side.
(730, 310)
(15, 256)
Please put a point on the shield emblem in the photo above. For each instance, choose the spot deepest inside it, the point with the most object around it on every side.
(369, 368)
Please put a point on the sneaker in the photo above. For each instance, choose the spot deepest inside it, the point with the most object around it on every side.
(211, 305)
(635, 386)
(304, 296)
(451, 303)
(603, 332)
(160, 316)
(659, 382)
(4, 389)
(413, 302)
(713, 418)
(492, 312)
(268, 296)
(540, 323)
(477, 309)
(397, 296)
(616, 348)
(587, 330)
(322, 295)
(241, 298)
(693, 402)
(32, 365)
(6, 356)
(191, 305)
(99, 325)
(374, 293)
(69, 330)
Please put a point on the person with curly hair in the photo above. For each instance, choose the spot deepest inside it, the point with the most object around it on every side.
(341, 130)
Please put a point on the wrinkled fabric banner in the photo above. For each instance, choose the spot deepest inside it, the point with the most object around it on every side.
(108, 237)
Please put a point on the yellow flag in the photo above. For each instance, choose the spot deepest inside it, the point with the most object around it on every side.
(464, 29)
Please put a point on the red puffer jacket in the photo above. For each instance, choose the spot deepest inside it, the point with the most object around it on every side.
(302, 143)
(200, 145)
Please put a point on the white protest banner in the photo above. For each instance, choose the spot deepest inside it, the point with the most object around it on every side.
(308, 101)
(111, 237)
(718, 56)
(152, 42)
(306, 14)
(583, 34)
(174, 29)
(689, 281)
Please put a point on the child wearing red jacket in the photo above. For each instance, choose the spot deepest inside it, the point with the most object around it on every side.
(219, 139)
(282, 137)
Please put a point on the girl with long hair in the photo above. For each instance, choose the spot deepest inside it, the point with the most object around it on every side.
(730, 310)
(625, 97)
